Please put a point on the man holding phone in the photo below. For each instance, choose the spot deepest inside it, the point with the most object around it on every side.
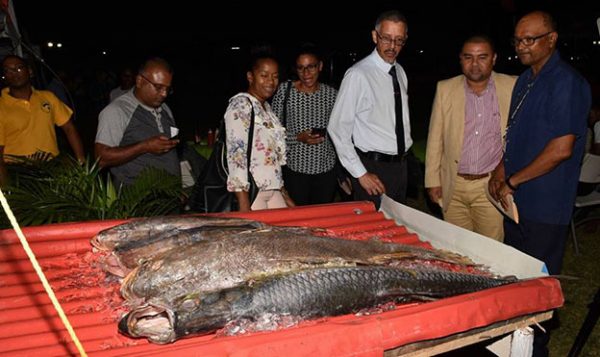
(137, 130)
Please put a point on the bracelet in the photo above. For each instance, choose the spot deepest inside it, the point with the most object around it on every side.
(507, 182)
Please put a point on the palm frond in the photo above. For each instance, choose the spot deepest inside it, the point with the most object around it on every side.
(62, 190)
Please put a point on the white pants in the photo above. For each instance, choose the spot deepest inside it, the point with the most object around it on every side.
(268, 199)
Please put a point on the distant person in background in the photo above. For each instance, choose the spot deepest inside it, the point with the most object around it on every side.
(59, 85)
(594, 120)
(545, 142)
(28, 117)
(98, 90)
(268, 142)
(369, 124)
(310, 176)
(592, 146)
(468, 121)
(137, 130)
(126, 82)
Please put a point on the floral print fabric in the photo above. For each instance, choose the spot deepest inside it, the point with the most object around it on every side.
(268, 148)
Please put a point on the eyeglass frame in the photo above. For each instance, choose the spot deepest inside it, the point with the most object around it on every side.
(157, 86)
(388, 41)
(515, 41)
(313, 67)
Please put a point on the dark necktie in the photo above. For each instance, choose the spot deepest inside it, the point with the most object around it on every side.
(398, 108)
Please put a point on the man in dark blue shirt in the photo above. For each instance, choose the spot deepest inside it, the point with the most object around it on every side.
(545, 141)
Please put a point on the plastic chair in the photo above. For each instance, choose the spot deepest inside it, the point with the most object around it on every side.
(590, 173)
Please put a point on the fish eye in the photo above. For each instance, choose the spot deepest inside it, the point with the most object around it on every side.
(189, 304)
(210, 298)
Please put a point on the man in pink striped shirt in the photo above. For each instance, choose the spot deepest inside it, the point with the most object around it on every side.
(465, 142)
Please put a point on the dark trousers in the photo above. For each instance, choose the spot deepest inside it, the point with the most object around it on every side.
(307, 189)
(392, 174)
(545, 242)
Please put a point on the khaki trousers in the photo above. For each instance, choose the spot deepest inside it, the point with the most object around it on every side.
(469, 208)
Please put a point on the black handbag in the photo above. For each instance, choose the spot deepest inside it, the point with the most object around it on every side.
(210, 191)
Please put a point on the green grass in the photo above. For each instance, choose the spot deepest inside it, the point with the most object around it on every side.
(578, 293)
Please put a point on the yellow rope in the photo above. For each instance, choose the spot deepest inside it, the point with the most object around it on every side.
(40, 273)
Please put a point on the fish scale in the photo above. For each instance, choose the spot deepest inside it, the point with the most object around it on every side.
(226, 262)
(342, 290)
(306, 294)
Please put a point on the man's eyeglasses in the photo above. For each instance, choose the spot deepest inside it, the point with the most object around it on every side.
(309, 67)
(528, 41)
(388, 41)
(158, 87)
(16, 69)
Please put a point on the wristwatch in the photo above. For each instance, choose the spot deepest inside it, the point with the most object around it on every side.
(507, 182)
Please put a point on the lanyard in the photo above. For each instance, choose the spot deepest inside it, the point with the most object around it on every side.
(522, 95)
(521, 100)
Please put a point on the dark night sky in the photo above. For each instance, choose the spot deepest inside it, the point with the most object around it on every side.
(103, 23)
(184, 31)
(197, 40)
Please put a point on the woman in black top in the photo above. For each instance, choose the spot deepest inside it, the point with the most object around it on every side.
(309, 177)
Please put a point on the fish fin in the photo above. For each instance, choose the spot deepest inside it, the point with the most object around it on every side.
(400, 295)
(558, 276)
(329, 261)
(386, 258)
(455, 258)
(422, 298)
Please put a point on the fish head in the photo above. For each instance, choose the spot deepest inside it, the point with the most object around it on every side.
(151, 321)
(190, 314)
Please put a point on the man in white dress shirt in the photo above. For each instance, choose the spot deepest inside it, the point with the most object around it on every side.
(371, 143)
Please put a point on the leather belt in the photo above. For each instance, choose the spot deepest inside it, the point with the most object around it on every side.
(472, 177)
(380, 157)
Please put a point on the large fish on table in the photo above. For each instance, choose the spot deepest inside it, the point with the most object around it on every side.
(307, 294)
(125, 257)
(140, 240)
(234, 259)
(138, 231)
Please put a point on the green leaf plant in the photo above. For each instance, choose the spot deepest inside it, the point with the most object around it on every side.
(42, 191)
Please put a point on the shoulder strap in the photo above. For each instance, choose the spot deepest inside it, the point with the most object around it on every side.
(285, 100)
(250, 133)
(223, 137)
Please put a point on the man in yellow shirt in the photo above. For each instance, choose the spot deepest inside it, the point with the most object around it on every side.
(28, 116)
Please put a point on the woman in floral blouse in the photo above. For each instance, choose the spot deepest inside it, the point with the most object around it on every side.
(268, 147)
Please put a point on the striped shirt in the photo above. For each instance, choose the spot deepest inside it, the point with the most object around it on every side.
(482, 144)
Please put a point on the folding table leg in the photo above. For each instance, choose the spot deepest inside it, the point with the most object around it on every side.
(575, 245)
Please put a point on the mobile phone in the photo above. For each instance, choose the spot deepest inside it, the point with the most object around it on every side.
(174, 133)
(318, 131)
